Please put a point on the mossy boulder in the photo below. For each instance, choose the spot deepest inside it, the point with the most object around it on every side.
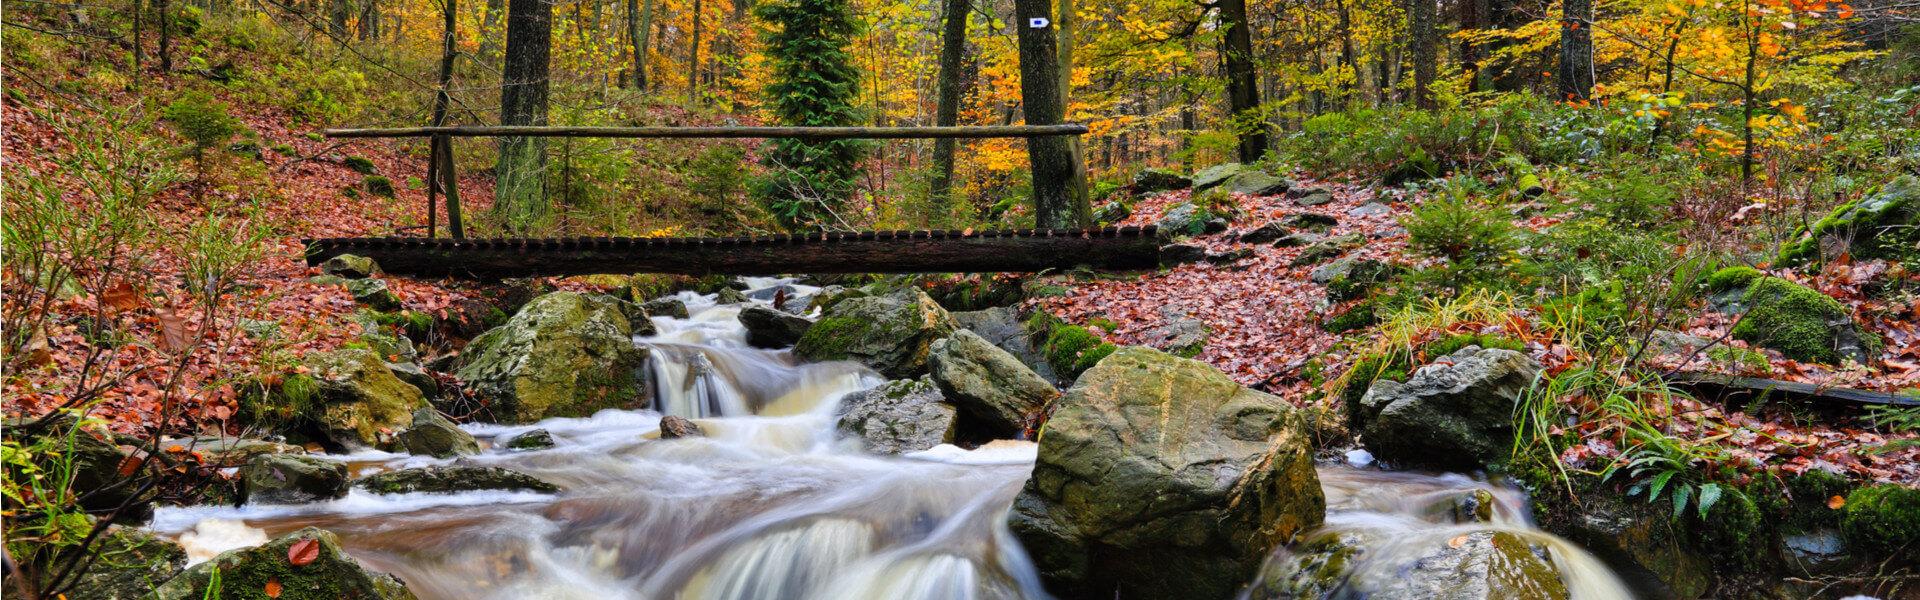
(127, 565)
(1215, 175)
(1882, 225)
(899, 416)
(666, 307)
(246, 573)
(1456, 413)
(350, 266)
(565, 354)
(451, 479)
(433, 435)
(1189, 219)
(997, 394)
(1072, 349)
(538, 439)
(1883, 520)
(893, 334)
(373, 293)
(1258, 183)
(1803, 324)
(1481, 564)
(1151, 181)
(352, 397)
(292, 479)
(1160, 477)
(769, 327)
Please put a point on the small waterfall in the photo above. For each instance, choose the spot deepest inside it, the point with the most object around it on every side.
(784, 564)
(1385, 524)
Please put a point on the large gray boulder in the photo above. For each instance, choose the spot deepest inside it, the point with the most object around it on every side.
(128, 564)
(1483, 564)
(1456, 413)
(565, 354)
(1187, 218)
(1151, 181)
(898, 417)
(292, 479)
(1882, 225)
(1258, 183)
(434, 435)
(769, 327)
(1159, 477)
(245, 572)
(1002, 326)
(355, 399)
(449, 479)
(989, 385)
(893, 334)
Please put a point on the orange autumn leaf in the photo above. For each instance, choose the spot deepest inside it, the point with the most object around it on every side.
(272, 588)
(1836, 502)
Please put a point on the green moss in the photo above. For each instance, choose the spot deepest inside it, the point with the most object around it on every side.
(360, 164)
(1732, 277)
(1451, 344)
(1072, 349)
(1362, 315)
(1880, 225)
(1732, 532)
(1883, 520)
(378, 185)
(1809, 506)
(1795, 320)
(1745, 359)
(829, 337)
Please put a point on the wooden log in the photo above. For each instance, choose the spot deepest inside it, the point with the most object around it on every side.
(1744, 389)
(984, 131)
(922, 252)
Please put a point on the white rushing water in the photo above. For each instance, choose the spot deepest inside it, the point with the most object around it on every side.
(771, 504)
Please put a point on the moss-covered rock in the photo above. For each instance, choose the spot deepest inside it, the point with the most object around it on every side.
(373, 293)
(1163, 477)
(893, 334)
(989, 385)
(1215, 175)
(1456, 413)
(434, 435)
(1072, 349)
(666, 307)
(899, 416)
(1482, 564)
(1803, 324)
(352, 397)
(1732, 278)
(538, 439)
(292, 479)
(454, 478)
(127, 565)
(1883, 520)
(563, 354)
(244, 574)
(769, 327)
(1883, 225)
(1149, 181)
(350, 266)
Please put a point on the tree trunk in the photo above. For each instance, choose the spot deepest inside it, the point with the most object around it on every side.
(1051, 157)
(163, 10)
(370, 21)
(1420, 17)
(693, 59)
(1576, 50)
(1077, 190)
(520, 175)
(1347, 64)
(139, 49)
(1243, 97)
(444, 178)
(1473, 15)
(342, 11)
(488, 47)
(1505, 15)
(953, 45)
(639, 30)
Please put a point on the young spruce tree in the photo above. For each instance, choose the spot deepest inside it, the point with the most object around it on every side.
(814, 84)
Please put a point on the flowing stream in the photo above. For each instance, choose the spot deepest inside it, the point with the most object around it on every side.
(771, 504)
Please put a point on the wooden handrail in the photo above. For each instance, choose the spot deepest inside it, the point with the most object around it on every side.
(989, 131)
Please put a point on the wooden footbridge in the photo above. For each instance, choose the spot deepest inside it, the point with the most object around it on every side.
(1012, 250)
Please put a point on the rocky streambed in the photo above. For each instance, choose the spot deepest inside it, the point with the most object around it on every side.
(837, 443)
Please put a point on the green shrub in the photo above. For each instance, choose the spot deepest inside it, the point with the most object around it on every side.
(1630, 197)
(1459, 231)
(201, 119)
(1883, 519)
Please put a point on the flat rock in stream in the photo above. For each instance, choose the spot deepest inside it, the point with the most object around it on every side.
(1471, 565)
(1002, 326)
(454, 478)
(243, 573)
(672, 427)
(773, 328)
(989, 385)
(433, 435)
(565, 354)
(292, 479)
(891, 334)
